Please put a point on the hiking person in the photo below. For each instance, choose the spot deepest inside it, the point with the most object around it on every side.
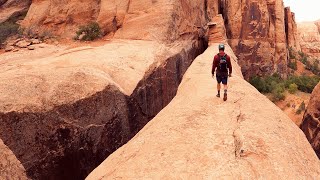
(222, 62)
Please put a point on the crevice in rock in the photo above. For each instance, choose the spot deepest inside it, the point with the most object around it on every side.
(238, 139)
(70, 140)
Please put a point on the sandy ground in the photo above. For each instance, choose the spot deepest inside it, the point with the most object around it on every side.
(291, 104)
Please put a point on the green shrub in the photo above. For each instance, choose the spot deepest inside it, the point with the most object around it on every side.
(293, 65)
(10, 27)
(293, 88)
(7, 29)
(278, 94)
(90, 32)
(301, 108)
(292, 53)
(258, 83)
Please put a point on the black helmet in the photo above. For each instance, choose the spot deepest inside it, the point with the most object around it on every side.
(221, 46)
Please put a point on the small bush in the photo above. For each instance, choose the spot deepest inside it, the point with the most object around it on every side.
(10, 27)
(293, 88)
(7, 29)
(90, 32)
(293, 65)
(278, 94)
(301, 108)
(292, 53)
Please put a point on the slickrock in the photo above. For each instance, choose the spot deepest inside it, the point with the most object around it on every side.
(311, 121)
(199, 136)
(73, 108)
(10, 167)
(293, 39)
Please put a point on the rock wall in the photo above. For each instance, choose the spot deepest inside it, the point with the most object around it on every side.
(292, 35)
(9, 8)
(119, 18)
(256, 32)
(311, 121)
(310, 38)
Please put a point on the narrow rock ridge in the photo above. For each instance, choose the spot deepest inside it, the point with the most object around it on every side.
(200, 136)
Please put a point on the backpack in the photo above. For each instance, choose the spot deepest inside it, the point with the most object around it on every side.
(223, 65)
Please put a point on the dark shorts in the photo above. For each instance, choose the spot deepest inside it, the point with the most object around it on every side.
(223, 79)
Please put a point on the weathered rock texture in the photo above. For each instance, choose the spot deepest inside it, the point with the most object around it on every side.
(161, 19)
(310, 38)
(293, 39)
(67, 112)
(311, 121)
(199, 136)
(9, 8)
(256, 32)
(10, 166)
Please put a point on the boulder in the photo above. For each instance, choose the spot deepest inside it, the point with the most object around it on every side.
(23, 44)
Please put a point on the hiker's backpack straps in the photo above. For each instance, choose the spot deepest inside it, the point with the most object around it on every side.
(223, 64)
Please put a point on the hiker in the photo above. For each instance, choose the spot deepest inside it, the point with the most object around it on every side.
(222, 62)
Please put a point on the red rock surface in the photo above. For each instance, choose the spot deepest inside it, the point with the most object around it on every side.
(256, 33)
(310, 38)
(311, 120)
(10, 166)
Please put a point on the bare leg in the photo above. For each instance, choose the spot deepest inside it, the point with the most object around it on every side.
(218, 89)
(225, 87)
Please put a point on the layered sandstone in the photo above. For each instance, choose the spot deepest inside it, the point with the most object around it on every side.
(256, 33)
(199, 136)
(10, 167)
(293, 40)
(310, 38)
(311, 121)
(65, 113)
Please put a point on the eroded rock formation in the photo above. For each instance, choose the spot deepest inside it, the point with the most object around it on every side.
(256, 32)
(311, 121)
(310, 38)
(293, 40)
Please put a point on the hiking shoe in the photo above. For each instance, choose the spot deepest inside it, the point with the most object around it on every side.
(225, 96)
(218, 95)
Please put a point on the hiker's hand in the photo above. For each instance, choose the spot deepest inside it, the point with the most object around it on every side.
(229, 75)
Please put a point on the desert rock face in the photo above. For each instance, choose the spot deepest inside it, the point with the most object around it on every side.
(122, 18)
(310, 38)
(256, 32)
(10, 8)
(10, 167)
(68, 111)
(292, 35)
(311, 120)
(199, 136)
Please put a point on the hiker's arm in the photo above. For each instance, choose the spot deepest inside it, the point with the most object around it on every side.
(213, 66)
(229, 64)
